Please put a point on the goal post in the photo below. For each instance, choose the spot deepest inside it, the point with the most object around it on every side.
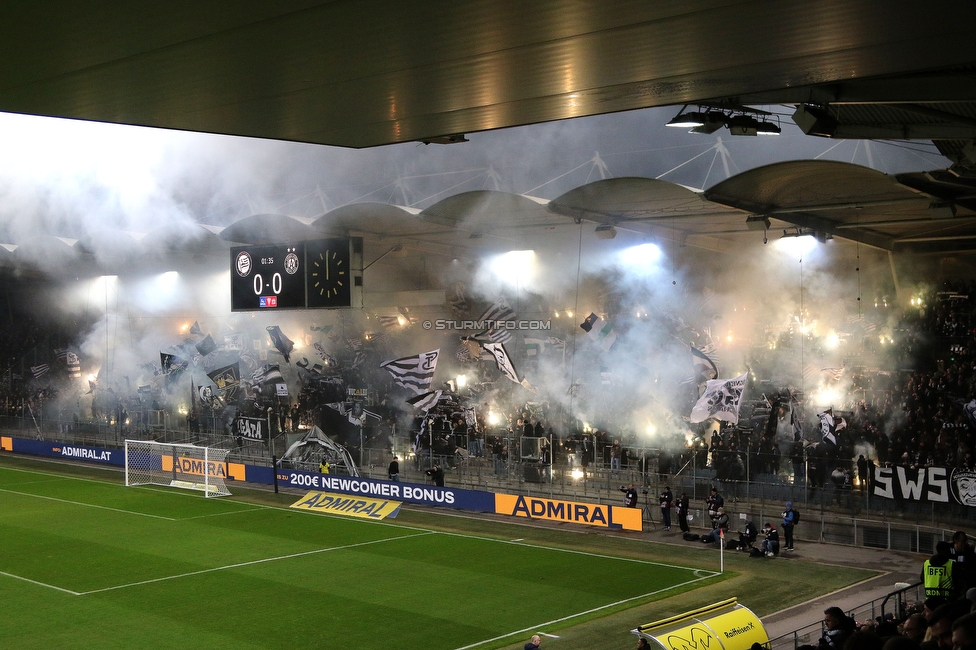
(176, 465)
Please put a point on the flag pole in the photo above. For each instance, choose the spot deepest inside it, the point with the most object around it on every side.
(721, 550)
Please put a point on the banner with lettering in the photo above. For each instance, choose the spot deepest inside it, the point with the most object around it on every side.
(934, 484)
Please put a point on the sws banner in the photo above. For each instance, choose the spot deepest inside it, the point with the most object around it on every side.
(934, 484)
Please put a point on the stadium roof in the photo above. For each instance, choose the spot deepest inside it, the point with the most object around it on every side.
(361, 74)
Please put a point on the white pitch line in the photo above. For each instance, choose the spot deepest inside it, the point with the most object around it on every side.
(252, 562)
(88, 505)
(40, 584)
(578, 614)
(59, 476)
(519, 542)
(219, 514)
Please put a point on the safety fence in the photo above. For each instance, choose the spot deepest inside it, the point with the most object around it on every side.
(827, 514)
(896, 604)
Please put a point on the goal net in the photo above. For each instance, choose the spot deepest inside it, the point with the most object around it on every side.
(176, 465)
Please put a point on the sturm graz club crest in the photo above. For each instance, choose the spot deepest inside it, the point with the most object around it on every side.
(243, 264)
(963, 486)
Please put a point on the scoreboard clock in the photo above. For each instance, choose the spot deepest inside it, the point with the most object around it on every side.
(267, 277)
(329, 276)
(320, 274)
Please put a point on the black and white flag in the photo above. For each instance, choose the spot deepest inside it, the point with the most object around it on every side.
(498, 313)
(426, 401)
(270, 373)
(354, 412)
(414, 373)
(71, 361)
(206, 346)
(282, 343)
(502, 360)
(827, 426)
(40, 370)
(705, 369)
(227, 380)
(720, 400)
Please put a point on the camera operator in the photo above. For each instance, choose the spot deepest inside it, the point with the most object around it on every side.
(714, 502)
(770, 545)
(747, 538)
(630, 495)
(437, 475)
(720, 525)
(667, 500)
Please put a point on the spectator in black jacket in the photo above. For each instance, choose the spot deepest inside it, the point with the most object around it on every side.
(436, 474)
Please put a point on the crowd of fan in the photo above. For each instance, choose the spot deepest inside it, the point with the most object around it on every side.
(923, 421)
(946, 619)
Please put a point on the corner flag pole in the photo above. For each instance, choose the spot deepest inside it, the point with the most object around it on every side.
(721, 550)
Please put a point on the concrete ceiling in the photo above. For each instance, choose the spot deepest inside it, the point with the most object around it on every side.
(371, 72)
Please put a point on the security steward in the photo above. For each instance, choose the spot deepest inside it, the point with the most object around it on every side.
(939, 573)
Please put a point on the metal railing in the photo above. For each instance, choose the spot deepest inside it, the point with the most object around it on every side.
(896, 603)
(894, 525)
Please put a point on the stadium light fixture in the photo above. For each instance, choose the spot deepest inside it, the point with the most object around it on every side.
(712, 121)
(757, 222)
(687, 120)
(743, 125)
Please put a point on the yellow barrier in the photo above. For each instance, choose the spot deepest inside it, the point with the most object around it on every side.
(726, 625)
(351, 506)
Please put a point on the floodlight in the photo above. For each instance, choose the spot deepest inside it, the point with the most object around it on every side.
(606, 231)
(743, 125)
(757, 222)
(815, 121)
(687, 120)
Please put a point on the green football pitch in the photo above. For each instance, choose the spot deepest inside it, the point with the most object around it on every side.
(89, 563)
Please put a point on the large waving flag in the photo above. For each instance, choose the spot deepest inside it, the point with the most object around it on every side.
(502, 360)
(827, 429)
(414, 373)
(71, 361)
(270, 373)
(426, 401)
(720, 400)
(600, 331)
(228, 380)
(498, 312)
(206, 346)
(705, 369)
(282, 343)
(172, 365)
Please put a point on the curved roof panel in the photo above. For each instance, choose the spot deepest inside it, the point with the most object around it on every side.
(651, 206)
(806, 184)
(846, 200)
(267, 229)
(484, 210)
(380, 219)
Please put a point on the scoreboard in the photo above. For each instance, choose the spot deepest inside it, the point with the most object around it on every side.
(320, 274)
